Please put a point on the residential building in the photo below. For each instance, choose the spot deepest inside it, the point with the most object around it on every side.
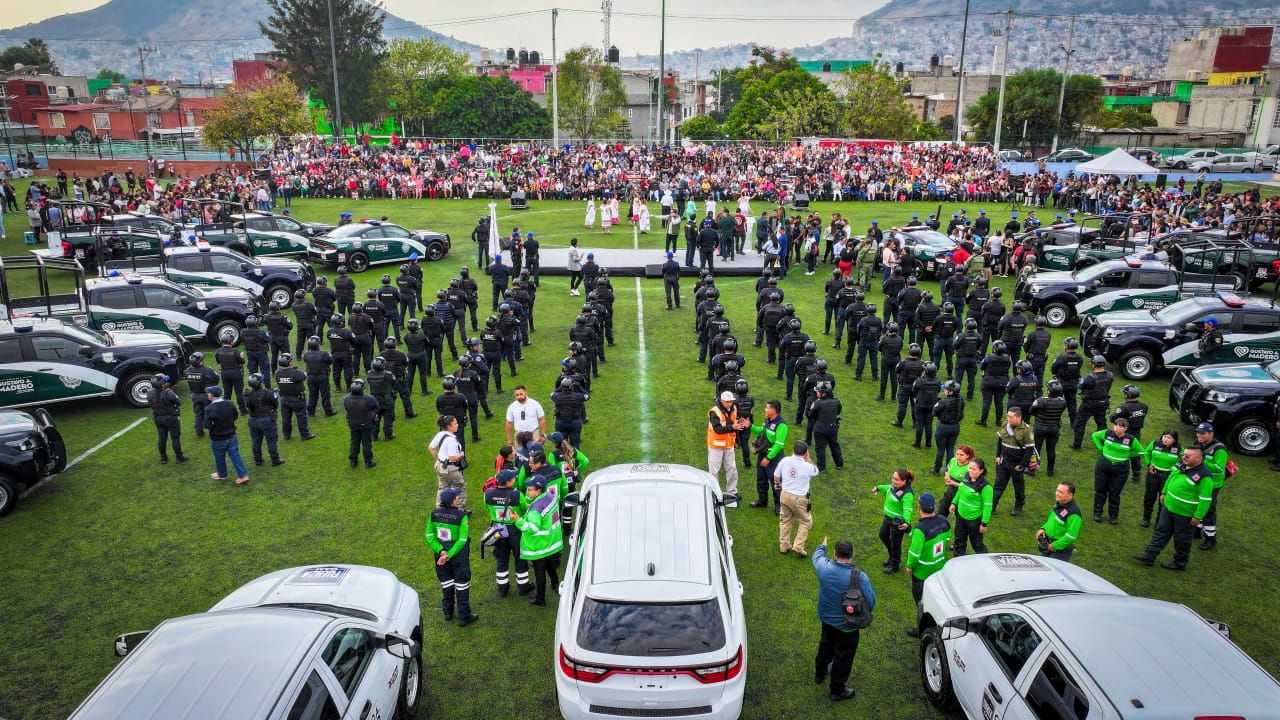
(132, 118)
(263, 67)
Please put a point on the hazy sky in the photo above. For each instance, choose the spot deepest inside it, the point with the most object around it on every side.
(720, 23)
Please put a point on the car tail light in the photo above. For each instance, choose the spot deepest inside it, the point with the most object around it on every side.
(578, 671)
(1275, 266)
(721, 673)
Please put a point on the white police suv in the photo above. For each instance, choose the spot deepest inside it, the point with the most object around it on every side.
(1022, 637)
(321, 642)
(650, 622)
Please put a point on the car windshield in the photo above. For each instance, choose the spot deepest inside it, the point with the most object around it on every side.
(650, 629)
(1274, 369)
(87, 336)
(346, 230)
(1180, 312)
(183, 289)
(930, 237)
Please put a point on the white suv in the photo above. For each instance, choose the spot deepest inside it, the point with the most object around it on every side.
(311, 643)
(1021, 637)
(650, 622)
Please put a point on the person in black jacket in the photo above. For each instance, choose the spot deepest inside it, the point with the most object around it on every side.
(325, 300)
(361, 326)
(307, 315)
(257, 347)
(231, 371)
(361, 411)
(341, 345)
(949, 412)
(671, 280)
(278, 328)
(570, 408)
(345, 288)
(397, 364)
(319, 364)
(500, 276)
(472, 291)
(199, 379)
(221, 415)
(451, 403)
(293, 396)
(409, 288)
(415, 341)
(166, 408)
(263, 404)
(824, 423)
(389, 296)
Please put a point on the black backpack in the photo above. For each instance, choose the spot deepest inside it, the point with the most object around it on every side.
(857, 612)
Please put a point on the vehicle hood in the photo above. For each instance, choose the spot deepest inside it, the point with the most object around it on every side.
(1052, 277)
(140, 338)
(1250, 377)
(355, 587)
(1129, 318)
(16, 424)
(971, 578)
(276, 263)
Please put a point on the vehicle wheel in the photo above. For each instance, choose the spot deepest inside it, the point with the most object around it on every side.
(1251, 437)
(227, 328)
(1137, 364)
(1057, 314)
(1180, 165)
(280, 293)
(358, 262)
(435, 251)
(411, 687)
(136, 390)
(935, 673)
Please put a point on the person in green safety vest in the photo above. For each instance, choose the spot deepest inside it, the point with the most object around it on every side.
(1162, 456)
(1057, 537)
(1215, 458)
(770, 443)
(899, 511)
(503, 503)
(541, 536)
(448, 534)
(1111, 470)
(927, 549)
(1185, 498)
(972, 508)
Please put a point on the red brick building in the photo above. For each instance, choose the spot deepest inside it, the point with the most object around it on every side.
(126, 120)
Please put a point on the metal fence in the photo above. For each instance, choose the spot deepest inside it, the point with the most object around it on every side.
(46, 149)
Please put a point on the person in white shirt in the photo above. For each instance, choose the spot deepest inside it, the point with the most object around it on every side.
(525, 415)
(792, 476)
(450, 458)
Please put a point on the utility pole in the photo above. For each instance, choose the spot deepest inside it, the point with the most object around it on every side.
(144, 52)
(1062, 91)
(333, 61)
(662, 72)
(1002, 61)
(555, 74)
(964, 34)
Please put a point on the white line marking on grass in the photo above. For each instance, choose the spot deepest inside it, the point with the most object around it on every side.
(642, 360)
(84, 455)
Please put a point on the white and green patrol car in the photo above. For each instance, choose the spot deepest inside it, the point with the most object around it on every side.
(204, 266)
(247, 233)
(45, 360)
(359, 245)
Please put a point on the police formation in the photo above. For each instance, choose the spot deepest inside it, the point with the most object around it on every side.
(933, 357)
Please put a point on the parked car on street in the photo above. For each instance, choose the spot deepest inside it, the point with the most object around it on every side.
(1066, 155)
(31, 449)
(1238, 398)
(1182, 161)
(1228, 163)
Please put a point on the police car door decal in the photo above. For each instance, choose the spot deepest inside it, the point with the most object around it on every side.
(1131, 299)
(27, 383)
(149, 318)
(216, 279)
(1236, 347)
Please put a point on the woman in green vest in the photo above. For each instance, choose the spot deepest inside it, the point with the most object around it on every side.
(1161, 458)
(541, 536)
(972, 506)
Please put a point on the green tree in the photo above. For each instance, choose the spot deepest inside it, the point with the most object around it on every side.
(732, 83)
(268, 111)
(1125, 117)
(791, 102)
(492, 107)
(412, 71)
(591, 95)
(701, 127)
(32, 53)
(1031, 97)
(299, 31)
(874, 105)
(114, 76)
(925, 130)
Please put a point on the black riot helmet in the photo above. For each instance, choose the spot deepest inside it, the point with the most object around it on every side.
(357, 386)
(449, 383)
(378, 363)
(285, 360)
(1019, 306)
(821, 365)
(971, 324)
(413, 324)
(300, 294)
(357, 307)
(731, 345)
(566, 384)
(810, 347)
(1041, 321)
(252, 321)
(1071, 343)
(914, 351)
(999, 348)
(741, 387)
(313, 342)
(1131, 392)
(1025, 366)
(1099, 361)
(948, 308)
(490, 322)
(931, 368)
(390, 343)
(927, 296)
(871, 308)
(951, 386)
(996, 293)
(256, 381)
(196, 358)
(1055, 388)
(892, 328)
(386, 279)
(158, 380)
(274, 306)
(795, 324)
(731, 366)
(371, 294)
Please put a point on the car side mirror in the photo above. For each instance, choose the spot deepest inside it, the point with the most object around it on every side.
(126, 643)
(86, 351)
(184, 300)
(572, 500)
(1221, 628)
(399, 646)
(730, 500)
(955, 627)
(244, 267)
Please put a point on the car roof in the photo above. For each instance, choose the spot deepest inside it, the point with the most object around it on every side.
(975, 578)
(37, 324)
(360, 590)
(651, 539)
(209, 666)
(1141, 652)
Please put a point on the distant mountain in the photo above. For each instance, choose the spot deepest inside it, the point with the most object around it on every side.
(77, 39)
(1171, 9)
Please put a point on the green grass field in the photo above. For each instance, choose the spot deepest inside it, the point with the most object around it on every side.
(120, 543)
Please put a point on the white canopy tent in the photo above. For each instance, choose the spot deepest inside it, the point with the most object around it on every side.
(1116, 162)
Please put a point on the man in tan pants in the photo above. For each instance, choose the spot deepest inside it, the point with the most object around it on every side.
(793, 476)
(723, 425)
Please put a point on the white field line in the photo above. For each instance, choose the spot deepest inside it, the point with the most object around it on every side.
(642, 360)
(72, 463)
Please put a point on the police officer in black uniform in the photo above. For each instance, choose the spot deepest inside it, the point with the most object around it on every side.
(491, 349)
(257, 346)
(361, 413)
(293, 397)
(890, 347)
(909, 299)
(867, 333)
(746, 410)
(995, 379)
(814, 370)
(199, 379)
(1047, 412)
(467, 382)
(450, 402)
(341, 344)
(482, 371)
(1135, 411)
(729, 378)
(1095, 399)
(397, 364)
(728, 354)
(671, 280)
(345, 288)
(1023, 388)
(848, 296)
(445, 314)
(500, 275)
(362, 332)
(924, 395)
(891, 287)
(1037, 345)
(824, 424)
(977, 296)
(767, 320)
(319, 365)
(570, 407)
(1012, 329)
(1067, 368)
(231, 371)
(434, 330)
(377, 313)
(480, 236)
(166, 409)
(278, 327)
(830, 290)
(382, 388)
(793, 347)
(949, 412)
(926, 315)
(470, 288)
(583, 333)
(458, 301)
(389, 296)
(409, 288)
(967, 350)
(944, 337)
(307, 315)
(906, 372)
(955, 290)
(325, 300)
(263, 403)
(415, 341)
(990, 317)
